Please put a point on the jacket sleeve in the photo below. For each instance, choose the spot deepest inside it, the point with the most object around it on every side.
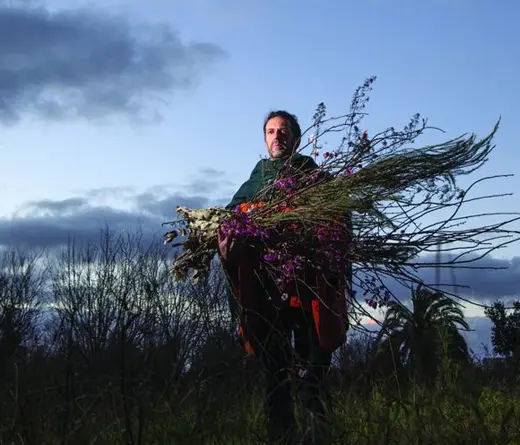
(246, 190)
(243, 194)
(309, 164)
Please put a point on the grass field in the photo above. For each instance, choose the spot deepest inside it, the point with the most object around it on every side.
(229, 411)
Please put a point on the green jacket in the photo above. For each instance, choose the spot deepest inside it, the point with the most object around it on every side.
(248, 290)
(265, 171)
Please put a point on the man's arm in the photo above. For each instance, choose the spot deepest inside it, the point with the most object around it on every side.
(242, 194)
(228, 246)
(246, 191)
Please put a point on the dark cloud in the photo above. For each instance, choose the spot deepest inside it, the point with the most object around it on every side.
(495, 278)
(52, 223)
(483, 279)
(57, 208)
(487, 280)
(58, 228)
(88, 64)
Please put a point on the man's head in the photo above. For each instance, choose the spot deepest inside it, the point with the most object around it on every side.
(282, 134)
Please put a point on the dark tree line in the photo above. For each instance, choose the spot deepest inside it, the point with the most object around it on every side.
(98, 342)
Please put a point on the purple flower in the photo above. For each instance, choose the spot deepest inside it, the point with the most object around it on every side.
(285, 183)
(288, 269)
(326, 234)
(291, 266)
(272, 257)
(242, 225)
(348, 171)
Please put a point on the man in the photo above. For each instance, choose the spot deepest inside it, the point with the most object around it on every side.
(268, 319)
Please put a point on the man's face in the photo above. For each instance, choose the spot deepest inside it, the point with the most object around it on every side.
(279, 138)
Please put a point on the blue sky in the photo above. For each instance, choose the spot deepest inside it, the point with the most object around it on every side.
(132, 107)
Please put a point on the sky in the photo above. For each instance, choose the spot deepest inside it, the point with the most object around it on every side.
(117, 111)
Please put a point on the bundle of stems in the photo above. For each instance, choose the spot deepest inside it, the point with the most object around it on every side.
(374, 193)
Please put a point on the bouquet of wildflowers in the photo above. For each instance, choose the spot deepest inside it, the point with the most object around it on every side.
(366, 204)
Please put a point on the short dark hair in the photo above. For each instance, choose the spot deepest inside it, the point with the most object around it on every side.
(291, 118)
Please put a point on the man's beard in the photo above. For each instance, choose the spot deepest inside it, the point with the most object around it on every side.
(280, 151)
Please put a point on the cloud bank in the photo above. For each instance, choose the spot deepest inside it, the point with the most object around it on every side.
(87, 64)
(52, 223)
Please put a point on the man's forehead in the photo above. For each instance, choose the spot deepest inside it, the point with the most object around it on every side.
(278, 123)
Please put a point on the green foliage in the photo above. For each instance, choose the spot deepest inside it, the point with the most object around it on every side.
(426, 418)
(490, 416)
(421, 337)
(130, 357)
(506, 328)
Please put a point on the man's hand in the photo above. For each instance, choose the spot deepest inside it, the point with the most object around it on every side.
(231, 247)
(227, 245)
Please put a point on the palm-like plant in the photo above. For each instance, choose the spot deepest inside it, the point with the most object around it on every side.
(419, 338)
